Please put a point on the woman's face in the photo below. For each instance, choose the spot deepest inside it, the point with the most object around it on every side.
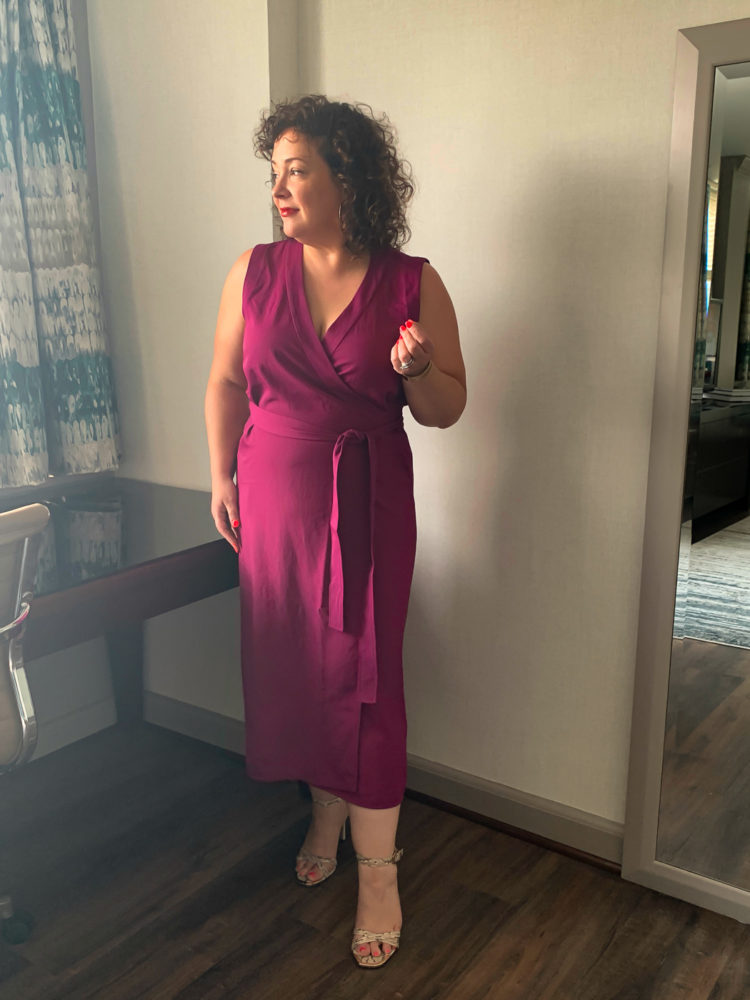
(304, 190)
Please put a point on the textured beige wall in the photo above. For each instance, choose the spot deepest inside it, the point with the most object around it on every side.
(539, 134)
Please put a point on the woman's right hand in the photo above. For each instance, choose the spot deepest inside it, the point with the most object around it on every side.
(225, 511)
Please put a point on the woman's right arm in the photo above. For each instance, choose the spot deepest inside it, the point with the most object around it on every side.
(226, 402)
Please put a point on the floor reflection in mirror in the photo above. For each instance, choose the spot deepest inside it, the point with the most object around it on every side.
(704, 819)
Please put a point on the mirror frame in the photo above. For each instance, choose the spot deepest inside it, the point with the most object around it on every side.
(699, 51)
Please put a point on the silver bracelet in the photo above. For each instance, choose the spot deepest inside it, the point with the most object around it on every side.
(425, 371)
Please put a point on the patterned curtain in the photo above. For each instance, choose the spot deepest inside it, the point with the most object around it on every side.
(57, 406)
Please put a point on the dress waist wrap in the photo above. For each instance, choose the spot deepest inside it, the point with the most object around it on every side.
(334, 583)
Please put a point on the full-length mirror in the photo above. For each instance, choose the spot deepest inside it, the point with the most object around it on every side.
(687, 827)
(704, 819)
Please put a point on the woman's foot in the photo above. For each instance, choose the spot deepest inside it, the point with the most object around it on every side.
(378, 906)
(322, 837)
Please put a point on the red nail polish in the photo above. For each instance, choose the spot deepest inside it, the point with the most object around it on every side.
(402, 328)
(409, 323)
(235, 524)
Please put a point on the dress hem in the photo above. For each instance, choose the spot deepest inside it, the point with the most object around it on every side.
(351, 797)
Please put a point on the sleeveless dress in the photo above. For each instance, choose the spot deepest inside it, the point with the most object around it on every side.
(327, 530)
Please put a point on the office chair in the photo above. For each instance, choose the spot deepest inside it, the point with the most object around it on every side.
(19, 548)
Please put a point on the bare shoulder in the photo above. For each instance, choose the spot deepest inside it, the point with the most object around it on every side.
(244, 258)
(438, 316)
(430, 278)
(435, 302)
(231, 293)
(238, 270)
(432, 287)
(230, 322)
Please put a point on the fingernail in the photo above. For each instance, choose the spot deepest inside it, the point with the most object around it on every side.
(235, 524)
(409, 323)
(402, 328)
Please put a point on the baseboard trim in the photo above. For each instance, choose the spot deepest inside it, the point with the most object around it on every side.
(189, 720)
(54, 734)
(548, 821)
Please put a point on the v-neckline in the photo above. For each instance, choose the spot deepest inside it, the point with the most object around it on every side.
(349, 309)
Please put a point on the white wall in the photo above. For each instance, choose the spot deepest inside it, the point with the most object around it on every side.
(539, 134)
(72, 695)
(177, 89)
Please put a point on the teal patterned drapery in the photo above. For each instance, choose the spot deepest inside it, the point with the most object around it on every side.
(57, 405)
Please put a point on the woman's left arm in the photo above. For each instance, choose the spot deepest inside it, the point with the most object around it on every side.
(438, 398)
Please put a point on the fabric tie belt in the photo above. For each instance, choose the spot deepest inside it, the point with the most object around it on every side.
(334, 582)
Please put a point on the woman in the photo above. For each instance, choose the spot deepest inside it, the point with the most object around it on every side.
(328, 334)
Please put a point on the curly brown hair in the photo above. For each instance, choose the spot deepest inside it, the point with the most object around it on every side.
(360, 150)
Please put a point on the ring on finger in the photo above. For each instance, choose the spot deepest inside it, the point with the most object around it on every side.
(408, 364)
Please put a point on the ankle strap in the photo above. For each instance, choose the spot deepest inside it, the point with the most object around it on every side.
(394, 859)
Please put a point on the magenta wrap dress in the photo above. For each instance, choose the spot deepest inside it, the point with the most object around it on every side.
(328, 532)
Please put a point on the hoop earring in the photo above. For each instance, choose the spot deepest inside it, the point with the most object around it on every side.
(341, 221)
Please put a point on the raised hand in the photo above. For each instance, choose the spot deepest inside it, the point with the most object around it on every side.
(413, 348)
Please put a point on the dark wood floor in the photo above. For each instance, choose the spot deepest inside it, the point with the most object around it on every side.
(156, 870)
(704, 819)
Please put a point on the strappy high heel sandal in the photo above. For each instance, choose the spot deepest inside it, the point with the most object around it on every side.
(326, 866)
(361, 936)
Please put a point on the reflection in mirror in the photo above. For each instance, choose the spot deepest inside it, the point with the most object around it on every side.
(704, 810)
